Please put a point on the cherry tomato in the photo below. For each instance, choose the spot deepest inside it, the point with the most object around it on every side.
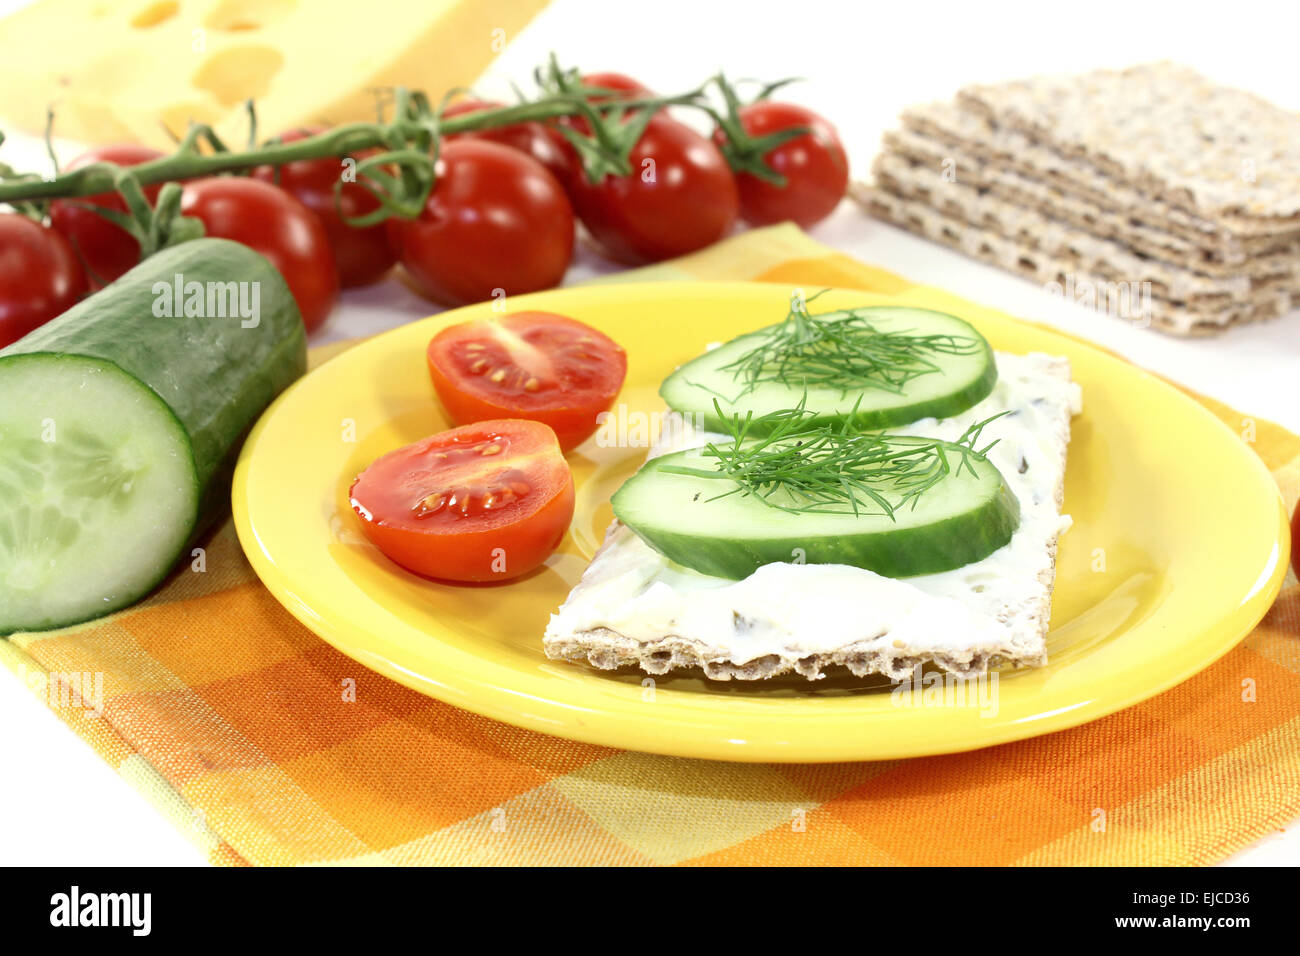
(1295, 539)
(680, 197)
(106, 249)
(270, 221)
(40, 276)
(361, 256)
(534, 365)
(529, 138)
(815, 167)
(624, 87)
(496, 219)
(484, 502)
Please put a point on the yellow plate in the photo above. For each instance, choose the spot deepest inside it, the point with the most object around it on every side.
(1179, 546)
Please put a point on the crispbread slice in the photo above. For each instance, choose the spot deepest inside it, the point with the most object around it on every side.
(1167, 131)
(1134, 226)
(1170, 316)
(1064, 241)
(615, 616)
(1151, 178)
(963, 130)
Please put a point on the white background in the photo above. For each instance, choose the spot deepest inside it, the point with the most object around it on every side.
(862, 62)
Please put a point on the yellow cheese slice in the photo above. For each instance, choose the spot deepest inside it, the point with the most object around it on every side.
(141, 70)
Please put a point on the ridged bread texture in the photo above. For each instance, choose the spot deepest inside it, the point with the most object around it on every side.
(1151, 177)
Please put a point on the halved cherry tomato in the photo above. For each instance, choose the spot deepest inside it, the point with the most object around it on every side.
(536, 365)
(40, 276)
(361, 256)
(680, 197)
(484, 502)
(107, 250)
(530, 138)
(270, 221)
(815, 167)
(496, 219)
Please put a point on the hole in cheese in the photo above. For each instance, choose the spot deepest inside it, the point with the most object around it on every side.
(234, 16)
(236, 73)
(155, 14)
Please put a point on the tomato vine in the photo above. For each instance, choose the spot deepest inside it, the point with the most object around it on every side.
(399, 168)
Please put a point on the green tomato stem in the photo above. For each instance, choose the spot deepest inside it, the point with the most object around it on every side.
(188, 163)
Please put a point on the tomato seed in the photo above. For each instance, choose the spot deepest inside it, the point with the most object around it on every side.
(431, 504)
(497, 496)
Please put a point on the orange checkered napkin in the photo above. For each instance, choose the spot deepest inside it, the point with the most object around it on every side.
(222, 709)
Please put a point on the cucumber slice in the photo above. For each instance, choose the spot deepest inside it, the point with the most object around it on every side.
(954, 371)
(963, 517)
(98, 485)
(120, 425)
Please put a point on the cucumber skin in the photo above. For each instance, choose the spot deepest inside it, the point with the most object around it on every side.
(943, 406)
(873, 419)
(216, 376)
(968, 537)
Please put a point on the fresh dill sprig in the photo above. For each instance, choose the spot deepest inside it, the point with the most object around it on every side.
(803, 467)
(843, 350)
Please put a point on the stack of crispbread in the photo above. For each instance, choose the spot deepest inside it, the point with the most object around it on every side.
(1152, 182)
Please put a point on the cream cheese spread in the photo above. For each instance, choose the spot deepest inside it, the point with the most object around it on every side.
(794, 610)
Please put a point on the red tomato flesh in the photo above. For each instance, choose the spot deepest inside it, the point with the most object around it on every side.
(270, 221)
(680, 197)
(623, 87)
(40, 276)
(620, 87)
(497, 222)
(815, 167)
(529, 138)
(361, 256)
(107, 249)
(535, 365)
(484, 502)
